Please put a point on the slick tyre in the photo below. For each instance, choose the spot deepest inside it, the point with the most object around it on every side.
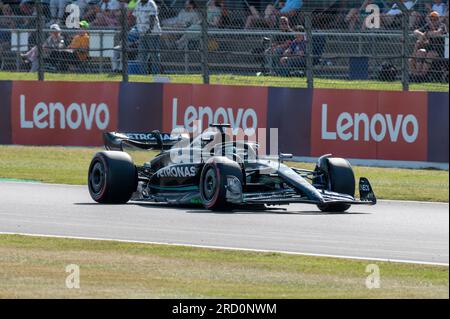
(213, 183)
(341, 179)
(112, 177)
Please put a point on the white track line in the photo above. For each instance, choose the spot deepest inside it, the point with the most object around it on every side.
(234, 248)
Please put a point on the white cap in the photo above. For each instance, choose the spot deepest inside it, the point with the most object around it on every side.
(55, 27)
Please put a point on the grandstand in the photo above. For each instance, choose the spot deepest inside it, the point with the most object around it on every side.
(334, 50)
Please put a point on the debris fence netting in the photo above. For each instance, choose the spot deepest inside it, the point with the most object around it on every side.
(286, 43)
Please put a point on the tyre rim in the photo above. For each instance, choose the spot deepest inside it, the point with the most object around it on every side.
(210, 184)
(97, 178)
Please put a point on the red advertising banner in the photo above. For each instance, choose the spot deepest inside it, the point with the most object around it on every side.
(370, 124)
(385, 125)
(242, 107)
(63, 113)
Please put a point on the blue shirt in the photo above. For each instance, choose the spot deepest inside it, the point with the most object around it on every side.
(297, 46)
(291, 5)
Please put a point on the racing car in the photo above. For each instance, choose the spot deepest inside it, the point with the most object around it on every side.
(225, 174)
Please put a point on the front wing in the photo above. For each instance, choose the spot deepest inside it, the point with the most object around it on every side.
(367, 197)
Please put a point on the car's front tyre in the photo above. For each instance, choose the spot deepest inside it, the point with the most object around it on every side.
(341, 179)
(112, 177)
(214, 181)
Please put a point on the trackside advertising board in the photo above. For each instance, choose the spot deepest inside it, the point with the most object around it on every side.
(370, 124)
(242, 107)
(358, 124)
(62, 113)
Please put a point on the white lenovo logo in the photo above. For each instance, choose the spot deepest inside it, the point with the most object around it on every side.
(57, 115)
(348, 126)
(245, 118)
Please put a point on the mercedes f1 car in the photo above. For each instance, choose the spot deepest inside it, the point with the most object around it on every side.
(225, 175)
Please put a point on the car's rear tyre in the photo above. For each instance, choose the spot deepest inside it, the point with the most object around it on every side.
(213, 182)
(112, 177)
(341, 179)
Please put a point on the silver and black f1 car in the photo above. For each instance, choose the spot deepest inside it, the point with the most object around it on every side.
(228, 175)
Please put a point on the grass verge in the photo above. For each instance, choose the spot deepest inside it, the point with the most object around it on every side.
(35, 267)
(230, 79)
(69, 165)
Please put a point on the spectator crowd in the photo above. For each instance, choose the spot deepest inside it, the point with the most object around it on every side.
(249, 14)
(428, 19)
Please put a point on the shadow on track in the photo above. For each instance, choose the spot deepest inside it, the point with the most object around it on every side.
(195, 209)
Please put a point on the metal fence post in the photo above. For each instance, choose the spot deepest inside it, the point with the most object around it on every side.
(124, 43)
(309, 51)
(405, 49)
(40, 39)
(205, 40)
(102, 35)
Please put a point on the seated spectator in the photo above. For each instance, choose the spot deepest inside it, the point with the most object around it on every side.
(80, 42)
(393, 16)
(429, 46)
(91, 10)
(52, 45)
(295, 55)
(438, 6)
(357, 15)
(441, 8)
(6, 14)
(77, 52)
(268, 20)
(108, 14)
(149, 30)
(5, 23)
(279, 44)
(132, 44)
(57, 10)
(13, 4)
(27, 8)
(185, 18)
(225, 15)
(214, 14)
(83, 5)
(214, 19)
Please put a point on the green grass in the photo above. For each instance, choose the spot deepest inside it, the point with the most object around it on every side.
(34, 267)
(235, 80)
(69, 165)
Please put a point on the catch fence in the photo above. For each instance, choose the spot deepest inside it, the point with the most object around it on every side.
(233, 42)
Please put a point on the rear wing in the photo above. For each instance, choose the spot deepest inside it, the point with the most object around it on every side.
(152, 140)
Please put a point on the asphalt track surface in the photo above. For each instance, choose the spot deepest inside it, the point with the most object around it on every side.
(393, 230)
